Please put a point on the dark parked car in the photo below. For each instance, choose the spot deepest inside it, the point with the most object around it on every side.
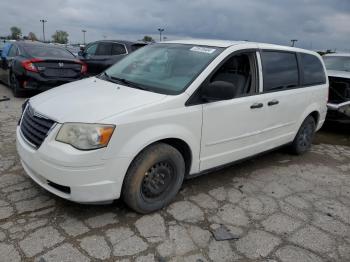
(28, 65)
(102, 54)
(338, 69)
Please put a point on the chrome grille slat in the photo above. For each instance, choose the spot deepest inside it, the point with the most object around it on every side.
(32, 131)
(34, 127)
(29, 136)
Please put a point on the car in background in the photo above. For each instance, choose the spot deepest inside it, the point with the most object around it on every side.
(38, 66)
(102, 54)
(338, 69)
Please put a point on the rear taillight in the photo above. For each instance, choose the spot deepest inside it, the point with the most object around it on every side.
(29, 64)
(83, 69)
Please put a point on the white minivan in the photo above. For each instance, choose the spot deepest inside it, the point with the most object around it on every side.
(170, 111)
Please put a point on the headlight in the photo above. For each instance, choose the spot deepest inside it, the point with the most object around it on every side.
(85, 136)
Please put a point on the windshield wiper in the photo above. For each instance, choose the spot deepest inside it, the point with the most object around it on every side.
(105, 76)
(128, 83)
(118, 80)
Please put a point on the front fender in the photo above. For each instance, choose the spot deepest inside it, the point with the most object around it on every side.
(135, 144)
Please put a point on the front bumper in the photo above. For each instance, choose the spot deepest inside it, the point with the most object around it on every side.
(86, 183)
(339, 112)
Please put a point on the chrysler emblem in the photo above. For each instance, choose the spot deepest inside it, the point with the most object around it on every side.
(60, 64)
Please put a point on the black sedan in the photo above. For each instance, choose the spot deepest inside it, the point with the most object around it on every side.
(102, 54)
(37, 66)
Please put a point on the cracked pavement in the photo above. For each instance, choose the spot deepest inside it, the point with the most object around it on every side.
(280, 207)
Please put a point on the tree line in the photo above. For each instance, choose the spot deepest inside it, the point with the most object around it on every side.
(59, 36)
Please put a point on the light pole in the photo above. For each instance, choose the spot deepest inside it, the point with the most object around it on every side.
(43, 21)
(294, 41)
(84, 31)
(160, 33)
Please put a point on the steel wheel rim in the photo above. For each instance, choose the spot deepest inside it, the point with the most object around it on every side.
(157, 180)
(305, 136)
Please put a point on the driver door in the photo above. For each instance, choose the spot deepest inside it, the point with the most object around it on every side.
(231, 128)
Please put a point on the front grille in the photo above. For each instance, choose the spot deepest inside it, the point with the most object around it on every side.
(35, 127)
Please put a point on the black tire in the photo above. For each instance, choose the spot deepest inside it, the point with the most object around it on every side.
(303, 140)
(153, 178)
(15, 85)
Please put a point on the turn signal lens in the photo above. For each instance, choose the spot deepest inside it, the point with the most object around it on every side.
(105, 134)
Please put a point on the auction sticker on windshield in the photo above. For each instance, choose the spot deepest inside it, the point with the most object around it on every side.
(203, 49)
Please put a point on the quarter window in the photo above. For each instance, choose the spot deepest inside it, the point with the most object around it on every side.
(312, 70)
(280, 70)
(118, 49)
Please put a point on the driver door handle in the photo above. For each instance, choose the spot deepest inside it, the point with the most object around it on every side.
(273, 102)
(256, 105)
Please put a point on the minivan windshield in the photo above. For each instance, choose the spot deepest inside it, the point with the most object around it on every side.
(338, 63)
(163, 68)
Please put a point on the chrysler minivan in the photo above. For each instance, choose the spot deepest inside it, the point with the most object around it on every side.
(167, 112)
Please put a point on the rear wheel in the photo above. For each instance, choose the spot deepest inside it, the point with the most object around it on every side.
(303, 140)
(15, 85)
(154, 178)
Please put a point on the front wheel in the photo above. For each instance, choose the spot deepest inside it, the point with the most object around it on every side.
(154, 178)
(303, 140)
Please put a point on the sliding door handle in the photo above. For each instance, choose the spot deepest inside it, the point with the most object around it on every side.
(273, 102)
(256, 105)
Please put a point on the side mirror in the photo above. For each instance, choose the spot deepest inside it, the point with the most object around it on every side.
(218, 90)
(81, 53)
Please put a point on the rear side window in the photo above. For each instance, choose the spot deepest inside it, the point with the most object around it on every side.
(104, 49)
(280, 70)
(312, 70)
(118, 49)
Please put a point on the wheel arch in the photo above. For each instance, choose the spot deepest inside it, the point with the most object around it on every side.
(313, 110)
(182, 146)
(316, 116)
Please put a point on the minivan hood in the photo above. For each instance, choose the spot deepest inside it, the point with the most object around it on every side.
(90, 100)
(334, 73)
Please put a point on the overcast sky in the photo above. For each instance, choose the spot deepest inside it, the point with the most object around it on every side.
(317, 24)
